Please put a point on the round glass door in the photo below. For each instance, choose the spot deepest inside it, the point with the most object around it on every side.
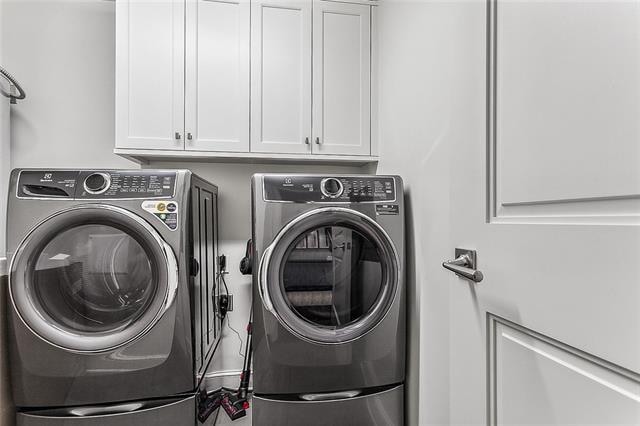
(91, 279)
(94, 278)
(332, 275)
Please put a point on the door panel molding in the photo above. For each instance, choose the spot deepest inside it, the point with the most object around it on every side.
(523, 191)
(510, 344)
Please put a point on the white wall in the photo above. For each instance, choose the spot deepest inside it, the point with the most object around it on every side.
(63, 53)
(420, 92)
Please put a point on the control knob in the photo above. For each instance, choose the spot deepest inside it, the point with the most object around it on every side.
(331, 187)
(97, 183)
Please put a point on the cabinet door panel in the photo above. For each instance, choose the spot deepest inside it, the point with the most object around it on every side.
(281, 76)
(217, 80)
(342, 76)
(150, 74)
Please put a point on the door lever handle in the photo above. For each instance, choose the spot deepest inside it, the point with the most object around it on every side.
(464, 265)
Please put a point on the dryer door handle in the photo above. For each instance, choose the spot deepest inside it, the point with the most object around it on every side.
(263, 277)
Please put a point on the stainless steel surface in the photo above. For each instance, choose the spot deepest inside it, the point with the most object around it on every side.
(109, 409)
(329, 396)
(158, 363)
(285, 363)
(262, 281)
(384, 408)
(173, 412)
(13, 85)
(464, 265)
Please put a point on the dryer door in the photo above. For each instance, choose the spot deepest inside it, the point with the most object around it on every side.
(92, 278)
(330, 276)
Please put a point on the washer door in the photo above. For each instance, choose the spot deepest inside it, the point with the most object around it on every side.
(92, 278)
(330, 276)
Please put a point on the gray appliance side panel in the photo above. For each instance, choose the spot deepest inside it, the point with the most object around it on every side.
(379, 409)
(205, 290)
(180, 413)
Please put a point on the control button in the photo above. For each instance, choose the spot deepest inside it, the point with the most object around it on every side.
(171, 207)
(331, 187)
(161, 207)
(97, 183)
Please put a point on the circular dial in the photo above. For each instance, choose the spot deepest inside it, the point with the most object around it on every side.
(331, 187)
(97, 183)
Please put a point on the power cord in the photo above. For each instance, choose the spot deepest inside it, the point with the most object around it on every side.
(224, 300)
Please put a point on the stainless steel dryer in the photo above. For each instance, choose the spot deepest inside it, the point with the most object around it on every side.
(113, 316)
(329, 300)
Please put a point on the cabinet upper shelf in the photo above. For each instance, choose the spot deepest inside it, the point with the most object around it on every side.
(144, 156)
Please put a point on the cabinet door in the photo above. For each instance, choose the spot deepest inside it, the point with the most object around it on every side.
(281, 76)
(341, 78)
(217, 78)
(150, 74)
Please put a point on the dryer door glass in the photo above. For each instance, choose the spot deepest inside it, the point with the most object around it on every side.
(94, 278)
(331, 275)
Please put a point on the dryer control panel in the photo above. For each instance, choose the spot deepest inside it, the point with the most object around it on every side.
(329, 189)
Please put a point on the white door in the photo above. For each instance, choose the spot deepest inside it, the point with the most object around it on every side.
(217, 76)
(150, 74)
(341, 78)
(281, 76)
(550, 201)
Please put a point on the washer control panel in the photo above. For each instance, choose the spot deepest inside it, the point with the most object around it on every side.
(310, 189)
(126, 184)
(90, 184)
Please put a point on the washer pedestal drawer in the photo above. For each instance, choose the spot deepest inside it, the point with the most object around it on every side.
(171, 412)
(384, 408)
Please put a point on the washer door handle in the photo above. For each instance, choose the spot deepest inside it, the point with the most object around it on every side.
(262, 279)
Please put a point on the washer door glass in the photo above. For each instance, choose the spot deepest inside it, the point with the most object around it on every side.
(94, 278)
(333, 275)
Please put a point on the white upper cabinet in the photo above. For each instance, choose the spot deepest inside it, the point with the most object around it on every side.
(150, 74)
(269, 79)
(281, 76)
(217, 75)
(341, 78)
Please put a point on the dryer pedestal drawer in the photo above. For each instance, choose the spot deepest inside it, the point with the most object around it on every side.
(172, 412)
(377, 409)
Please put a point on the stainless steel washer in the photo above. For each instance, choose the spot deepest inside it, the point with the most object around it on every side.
(112, 294)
